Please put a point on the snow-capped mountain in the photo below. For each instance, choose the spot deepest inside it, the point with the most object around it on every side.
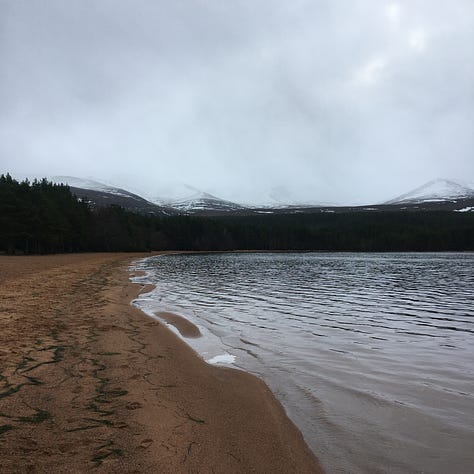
(85, 183)
(190, 200)
(82, 183)
(438, 190)
(100, 194)
(205, 203)
(436, 195)
(93, 185)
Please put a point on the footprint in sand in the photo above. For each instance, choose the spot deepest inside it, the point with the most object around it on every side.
(146, 443)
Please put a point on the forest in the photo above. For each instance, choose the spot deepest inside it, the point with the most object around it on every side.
(41, 217)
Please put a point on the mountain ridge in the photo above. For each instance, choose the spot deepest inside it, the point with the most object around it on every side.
(438, 194)
(434, 191)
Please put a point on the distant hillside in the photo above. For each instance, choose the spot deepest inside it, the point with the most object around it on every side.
(436, 191)
(130, 202)
(437, 195)
(200, 203)
(99, 194)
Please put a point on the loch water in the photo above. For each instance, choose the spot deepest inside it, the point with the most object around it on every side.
(372, 355)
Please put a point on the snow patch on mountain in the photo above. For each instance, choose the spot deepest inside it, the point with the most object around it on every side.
(189, 199)
(204, 202)
(438, 190)
(93, 185)
(176, 192)
(82, 183)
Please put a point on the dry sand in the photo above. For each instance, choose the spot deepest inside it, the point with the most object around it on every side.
(89, 383)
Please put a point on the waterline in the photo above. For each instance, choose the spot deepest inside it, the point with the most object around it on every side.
(371, 355)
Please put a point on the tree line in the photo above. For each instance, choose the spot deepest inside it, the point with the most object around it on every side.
(41, 217)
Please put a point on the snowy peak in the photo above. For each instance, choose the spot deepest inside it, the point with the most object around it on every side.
(98, 194)
(437, 190)
(177, 192)
(190, 200)
(90, 184)
(204, 202)
(80, 183)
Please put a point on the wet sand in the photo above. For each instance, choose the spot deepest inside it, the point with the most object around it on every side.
(89, 383)
(185, 327)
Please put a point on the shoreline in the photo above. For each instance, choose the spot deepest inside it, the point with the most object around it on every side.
(89, 382)
(185, 327)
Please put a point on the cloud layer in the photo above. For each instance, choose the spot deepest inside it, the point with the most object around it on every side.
(315, 100)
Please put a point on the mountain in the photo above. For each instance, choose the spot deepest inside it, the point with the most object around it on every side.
(100, 194)
(205, 203)
(438, 190)
(436, 195)
(90, 184)
(191, 201)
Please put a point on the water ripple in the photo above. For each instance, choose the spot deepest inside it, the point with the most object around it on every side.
(372, 355)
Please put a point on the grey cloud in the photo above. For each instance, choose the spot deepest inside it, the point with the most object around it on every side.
(328, 100)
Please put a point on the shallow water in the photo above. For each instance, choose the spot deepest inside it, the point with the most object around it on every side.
(372, 355)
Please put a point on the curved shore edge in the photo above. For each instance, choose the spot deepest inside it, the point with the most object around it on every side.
(185, 327)
(90, 383)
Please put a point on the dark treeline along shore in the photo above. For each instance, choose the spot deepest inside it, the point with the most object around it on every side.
(42, 217)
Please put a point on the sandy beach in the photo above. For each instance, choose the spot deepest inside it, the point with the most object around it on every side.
(89, 383)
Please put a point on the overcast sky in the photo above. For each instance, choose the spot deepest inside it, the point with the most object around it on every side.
(307, 100)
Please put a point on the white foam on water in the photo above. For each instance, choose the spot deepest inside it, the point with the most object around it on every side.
(222, 359)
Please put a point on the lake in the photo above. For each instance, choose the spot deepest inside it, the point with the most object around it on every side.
(372, 355)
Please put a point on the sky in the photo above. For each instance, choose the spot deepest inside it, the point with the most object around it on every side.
(330, 101)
